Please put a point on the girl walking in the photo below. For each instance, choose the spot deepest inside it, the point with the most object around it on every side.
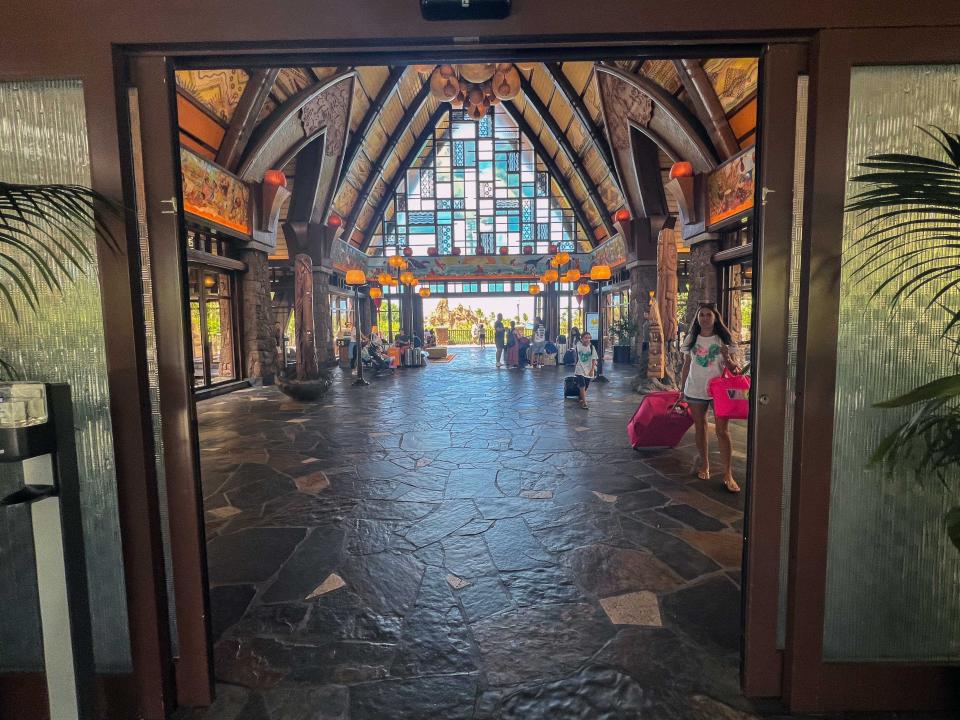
(708, 349)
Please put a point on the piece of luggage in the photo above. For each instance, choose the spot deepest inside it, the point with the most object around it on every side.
(570, 357)
(570, 389)
(659, 422)
(413, 357)
(731, 395)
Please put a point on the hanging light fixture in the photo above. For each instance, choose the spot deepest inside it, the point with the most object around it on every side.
(384, 278)
(424, 292)
(600, 272)
(504, 250)
(275, 178)
(583, 289)
(334, 220)
(573, 275)
(563, 257)
(475, 87)
(408, 278)
(396, 261)
(408, 251)
(551, 276)
(621, 215)
(376, 293)
(534, 289)
(356, 276)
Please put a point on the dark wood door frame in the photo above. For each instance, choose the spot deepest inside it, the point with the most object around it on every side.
(810, 683)
(153, 76)
(761, 661)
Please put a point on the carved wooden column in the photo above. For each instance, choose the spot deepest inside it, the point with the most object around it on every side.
(307, 367)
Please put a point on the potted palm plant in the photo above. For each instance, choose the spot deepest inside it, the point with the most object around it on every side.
(622, 332)
(911, 206)
(41, 241)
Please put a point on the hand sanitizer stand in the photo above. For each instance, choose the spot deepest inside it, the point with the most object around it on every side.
(36, 430)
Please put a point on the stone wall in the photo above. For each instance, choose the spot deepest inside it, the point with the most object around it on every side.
(643, 280)
(257, 330)
(702, 275)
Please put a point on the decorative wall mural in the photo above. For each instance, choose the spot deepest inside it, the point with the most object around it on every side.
(344, 256)
(735, 79)
(211, 193)
(730, 188)
(218, 91)
(613, 252)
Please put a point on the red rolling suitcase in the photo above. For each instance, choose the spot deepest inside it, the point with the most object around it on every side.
(659, 422)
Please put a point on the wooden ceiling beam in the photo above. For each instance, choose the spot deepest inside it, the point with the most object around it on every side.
(551, 164)
(405, 164)
(411, 112)
(373, 112)
(580, 110)
(707, 105)
(244, 118)
(564, 142)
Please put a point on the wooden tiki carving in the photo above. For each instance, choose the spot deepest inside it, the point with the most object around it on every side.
(307, 366)
(667, 282)
(656, 348)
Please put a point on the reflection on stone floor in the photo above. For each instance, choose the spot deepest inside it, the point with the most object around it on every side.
(460, 542)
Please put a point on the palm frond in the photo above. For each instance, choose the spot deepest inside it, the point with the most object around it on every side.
(42, 231)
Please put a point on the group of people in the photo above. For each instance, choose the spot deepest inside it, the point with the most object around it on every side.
(380, 354)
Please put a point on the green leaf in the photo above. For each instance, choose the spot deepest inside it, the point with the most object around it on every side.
(952, 519)
(944, 388)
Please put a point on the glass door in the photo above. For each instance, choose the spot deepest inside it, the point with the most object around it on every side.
(212, 328)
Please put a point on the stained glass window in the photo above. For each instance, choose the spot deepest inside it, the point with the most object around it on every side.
(478, 186)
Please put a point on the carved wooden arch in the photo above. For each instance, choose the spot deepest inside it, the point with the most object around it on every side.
(322, 109)
(633, 102)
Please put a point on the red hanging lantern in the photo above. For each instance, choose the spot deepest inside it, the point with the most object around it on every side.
(334, 220)
(504, 250)
(528, 250)
(431, 251)
(456, 251)
(553, 249)
(480, 250)
(408, 251)
(376, 303)
(681, 169)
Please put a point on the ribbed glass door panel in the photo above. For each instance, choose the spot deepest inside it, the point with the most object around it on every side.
(43, 139)
(893, 578)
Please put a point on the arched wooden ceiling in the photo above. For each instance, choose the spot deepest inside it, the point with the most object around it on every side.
(560, 103)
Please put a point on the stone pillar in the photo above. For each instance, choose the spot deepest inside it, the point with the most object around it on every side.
(418, 328)
(702, 276)
(322, 320)
(257, 327)
(643, 281)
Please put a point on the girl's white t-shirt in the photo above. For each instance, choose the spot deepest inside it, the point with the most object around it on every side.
(706, 363)
(585, 359)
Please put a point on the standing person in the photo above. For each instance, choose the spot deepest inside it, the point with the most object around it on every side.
(499, 336)
(586, 368)
(513, 346)
(537, 349)
(483, 336)
(707, 350)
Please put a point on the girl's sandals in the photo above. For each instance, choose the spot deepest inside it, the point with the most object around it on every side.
(703, 474)
(583, 404)
(731, 485)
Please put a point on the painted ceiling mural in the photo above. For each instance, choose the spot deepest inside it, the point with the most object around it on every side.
(218, 91)
(735, 79)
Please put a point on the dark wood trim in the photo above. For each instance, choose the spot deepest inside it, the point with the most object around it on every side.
(761, 661)
(707, 105)
(133, 443)
(373, 112)
(24, 695)
(810, 683)
(245, 116)
(153, 75)
(402, 168)
(217, 261)
(376, 170)
(202, 108)
(541, 151)
(580, 110)
(593, 192)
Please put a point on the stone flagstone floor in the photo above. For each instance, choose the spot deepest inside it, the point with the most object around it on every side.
(459, 541)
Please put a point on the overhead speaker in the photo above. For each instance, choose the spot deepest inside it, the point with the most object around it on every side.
(464, 9)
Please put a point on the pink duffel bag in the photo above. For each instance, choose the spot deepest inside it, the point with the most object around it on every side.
(660, 421)
(731, 395)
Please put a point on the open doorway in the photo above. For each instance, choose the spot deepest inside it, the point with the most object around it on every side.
(462, 539)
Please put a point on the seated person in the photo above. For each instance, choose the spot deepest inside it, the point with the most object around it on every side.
(429, 339)
(371, 354)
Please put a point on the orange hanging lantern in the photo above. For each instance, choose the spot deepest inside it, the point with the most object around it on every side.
(534, 289)
(424, 292)
(384, 278)
(376, 293)
(395, 261)
(573, 275)
(334, 220)
(551, 276)
(408, 278)
(621, 215)
(600, 272)
(681, 169)
(563, 257)
(275, 178)
(356, 277)
(583, 289)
